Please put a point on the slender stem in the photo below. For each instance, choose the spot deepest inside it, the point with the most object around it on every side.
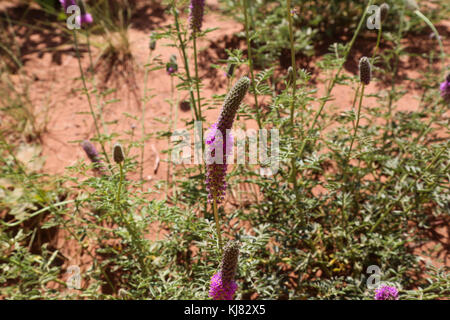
(93, 82)
(334, 80)
(293, 64)
(358, 116)
(294, 88)
(168, 137)
(143, 117)
(94, 117)
(394, 71)
(216, 217)
(186, 64)
(197, 83)
(377, 45)
(130, 225)
(250, 62)
(119, 187)
(354, 102)
(436, 34)
(197, 79)
(91, 68)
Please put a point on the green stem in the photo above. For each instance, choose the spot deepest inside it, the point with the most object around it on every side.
(394, 71)
(197, 79)
(333, 81)
(94, 117)
(358, 116)
(186, 64)
(143, 117)
(436, 34)
(197, 83)
(294, 88)
(250, 62)
(130, 225)
(377, 45)
(120, 185)
(216, 217)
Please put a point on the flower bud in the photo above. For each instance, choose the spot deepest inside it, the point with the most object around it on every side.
(152, 43)
(230, 69)
(411, 5)
(229, 262)
(118, 154)
(365, 70)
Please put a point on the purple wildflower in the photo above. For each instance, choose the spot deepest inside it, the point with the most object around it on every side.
(90, 150)
(216, 158)
(196, 10)
(445, 88)
(218, 148)
(172, 66)
(170, 70)
(220, 290)
(223, 286)
(93, 155)
(386, 293)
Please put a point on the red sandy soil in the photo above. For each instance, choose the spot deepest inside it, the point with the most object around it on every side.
(54, 92)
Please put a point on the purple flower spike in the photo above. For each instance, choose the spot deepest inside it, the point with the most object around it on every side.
(445, 89)
(223, 286)
(217, 149)
(386, 293)
(216, 159)
(196, 10)
(93, 155)
(222, 290)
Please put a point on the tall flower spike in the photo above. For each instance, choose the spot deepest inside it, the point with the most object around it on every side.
(365, 70)
(219, 141)
(196, 10)
(228, 266)
(118, 154)
(223, 286)
(232, 102)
